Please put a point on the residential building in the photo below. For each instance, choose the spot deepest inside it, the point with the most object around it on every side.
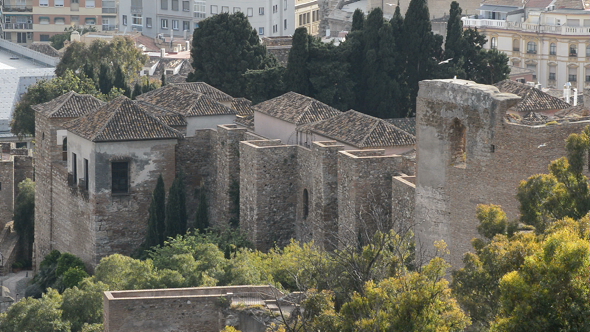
(174, 19)
(307, 14)
(549, 37)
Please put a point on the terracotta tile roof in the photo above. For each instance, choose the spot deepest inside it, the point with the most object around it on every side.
(570, 4)
(406, 124)
(295, 108)
(206, 89)
(360, 130)
(45, 49)
(534, 118)
(170, 118)
(121, 120)
(243, 106)
(185, 102)
(538, 3)
(533, 99)
(69, 105)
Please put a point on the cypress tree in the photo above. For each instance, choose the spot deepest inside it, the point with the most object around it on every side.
(136, 90)
(297, 74)
(358, 20)
(182, 203)
(163, 79)
(419, 49)
(120, 81)
(353, 48)
(454, 40)
(105, 79)
(397, 23)
(202, 215)
(157, 215)
(175, 216)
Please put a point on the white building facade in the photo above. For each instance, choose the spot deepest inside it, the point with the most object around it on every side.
(178, 18)
(553, 42)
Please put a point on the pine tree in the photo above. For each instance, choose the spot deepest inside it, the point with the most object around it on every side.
(297, 73)
(157, 215)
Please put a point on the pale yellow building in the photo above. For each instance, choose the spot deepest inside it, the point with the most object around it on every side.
(307, 14)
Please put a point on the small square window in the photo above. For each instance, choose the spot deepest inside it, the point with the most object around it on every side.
(261, 31)
(250, 12)
(148, 22)
(164, 4)
(237, 9)
(186, 6)
(175, 5)
(164, 23)
(224, 9)
(58, 3)
(214, 9)
(174, 24)
(124, 19)
(261, 11)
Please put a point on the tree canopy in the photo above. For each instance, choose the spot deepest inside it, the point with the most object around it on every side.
(223, 64)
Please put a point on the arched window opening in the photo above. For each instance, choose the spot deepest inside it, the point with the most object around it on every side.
(458, 137)
(516, 45)
(552, 49)
(531, 47)
(305, 203)
(64, 149)
(573, 50)
(494, 43)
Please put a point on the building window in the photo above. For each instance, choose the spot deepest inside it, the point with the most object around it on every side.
(90, 21)
(174, 24)
(275, 8)
(275, 28)
(175, 5)
(164, 4)
(552, 76)
(59, 20)
(533, 68)
(148, 22)
(120, 177)
(572, 78)
(224, 9)
(531, 47)
(200, 11)
(164, 23)
(552, 49)
(261, 31)
(587, 78)
(43, 3)
(90, 4)
(285, 24)
(58, 3)
(44, 20)
(186, 26)
(136, 19)
(516, 45)
(494, 43)
(124, 19)
(214, 9)
(305, 204)
(573, 50)
(186, 6)
(86, 174)
(237, 9)
(588, 50)
(74, 169)
(250, 12)
(44, 38)
(261, 11)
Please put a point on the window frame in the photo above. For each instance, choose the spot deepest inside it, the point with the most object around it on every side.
(120, 173)
(164, 23)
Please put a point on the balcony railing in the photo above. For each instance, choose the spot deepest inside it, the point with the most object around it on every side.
(538, 28)
(109, 10)
(17, 8)
(108, 27)
(18, 26)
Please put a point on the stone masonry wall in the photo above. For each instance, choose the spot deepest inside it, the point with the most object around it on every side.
(364, 193)
(498, 156)
(403, 192)
(268, 192)
(6, 190)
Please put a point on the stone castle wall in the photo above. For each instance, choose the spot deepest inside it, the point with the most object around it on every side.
(7, 184)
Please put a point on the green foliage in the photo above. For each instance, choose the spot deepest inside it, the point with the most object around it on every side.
(264, 84)
(83, 306)
(23, 120)
(39, 315)
(57, 41)
(454, 43)
(202, 214)
(224, 64)
(58, 271)
(73, 276)
(157, 216)
(493, 221)
(176, 217)
(297, 73)
(24, 217)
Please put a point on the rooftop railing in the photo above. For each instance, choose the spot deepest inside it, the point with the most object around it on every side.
(523, 26)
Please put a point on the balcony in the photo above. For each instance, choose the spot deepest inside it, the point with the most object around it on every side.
(528, 27)
(17, 8)
(18, 26)
(108, 27)
(109, 10)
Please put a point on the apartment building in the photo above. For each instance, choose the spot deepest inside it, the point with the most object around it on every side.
(307, 14)
(549, 37)
(28, 21)
(178, 18)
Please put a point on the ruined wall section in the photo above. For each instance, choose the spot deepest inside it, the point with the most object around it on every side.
(268, 196)
(227, 173)
(7, 183)
(23, 167)
(72, 228)
(121, 219)
(196, 157)
(457, 126)
(403, 192)
(324, 199)
(364, 193)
